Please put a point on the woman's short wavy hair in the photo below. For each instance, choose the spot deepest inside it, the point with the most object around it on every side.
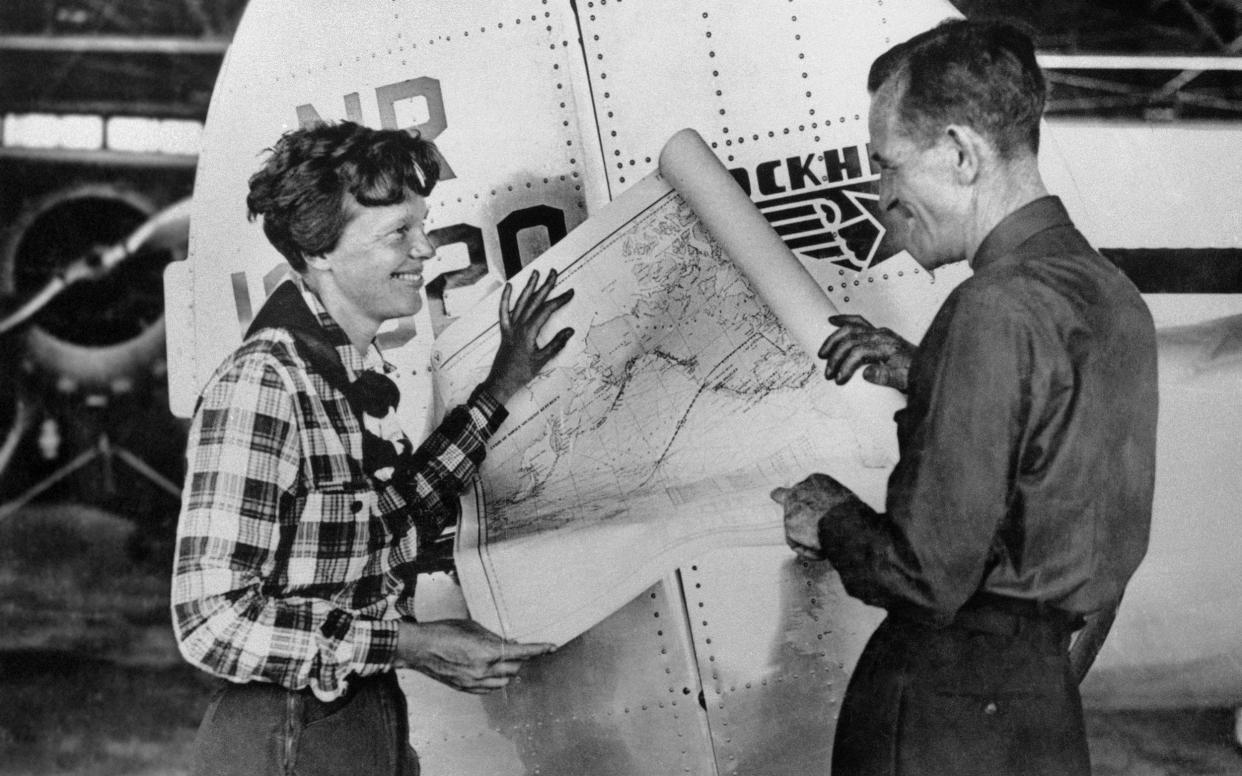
(980, 74)
(300, 190)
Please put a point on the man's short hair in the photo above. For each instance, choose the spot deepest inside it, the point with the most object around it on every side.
(300, 191)
(980, 74)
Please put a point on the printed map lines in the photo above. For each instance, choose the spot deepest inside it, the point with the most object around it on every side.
(707, 385)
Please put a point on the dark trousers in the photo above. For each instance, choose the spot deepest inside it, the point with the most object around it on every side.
(259, 729)
(991, 695)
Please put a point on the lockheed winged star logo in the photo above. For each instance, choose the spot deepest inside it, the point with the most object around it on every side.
(839, 224)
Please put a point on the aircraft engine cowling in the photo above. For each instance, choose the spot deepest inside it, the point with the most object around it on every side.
(98, 336)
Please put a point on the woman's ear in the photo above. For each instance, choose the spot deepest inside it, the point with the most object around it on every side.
(318, 263)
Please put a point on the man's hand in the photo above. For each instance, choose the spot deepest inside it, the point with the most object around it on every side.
(855, 343)
(463, 654)
(805, 505)
(519, 357)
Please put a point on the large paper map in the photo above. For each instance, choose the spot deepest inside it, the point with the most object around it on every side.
(659, 431)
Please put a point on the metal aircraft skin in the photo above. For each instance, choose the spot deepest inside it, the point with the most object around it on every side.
(546, 110)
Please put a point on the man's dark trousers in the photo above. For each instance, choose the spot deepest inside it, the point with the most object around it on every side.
(991, 694)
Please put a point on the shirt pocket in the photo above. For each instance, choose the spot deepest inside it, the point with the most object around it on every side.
(335, 536)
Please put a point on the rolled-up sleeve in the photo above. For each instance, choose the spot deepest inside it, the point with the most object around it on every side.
(446, 461)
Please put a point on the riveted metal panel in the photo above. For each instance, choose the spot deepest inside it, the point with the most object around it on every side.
(776, 638)
(620, 700)
(777, 88)
(760, 80)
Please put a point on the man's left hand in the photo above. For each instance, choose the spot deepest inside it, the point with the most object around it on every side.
(805, 505)
(883, 354)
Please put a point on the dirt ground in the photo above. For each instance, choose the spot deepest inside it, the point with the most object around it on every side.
(1165, 743)
(65, 714)
(91, 683)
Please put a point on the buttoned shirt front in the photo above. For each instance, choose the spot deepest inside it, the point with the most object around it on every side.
(1027, 446)
(293, 562)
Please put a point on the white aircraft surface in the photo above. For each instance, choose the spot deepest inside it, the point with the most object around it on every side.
(548, 109)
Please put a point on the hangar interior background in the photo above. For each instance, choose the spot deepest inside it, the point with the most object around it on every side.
(101, 106)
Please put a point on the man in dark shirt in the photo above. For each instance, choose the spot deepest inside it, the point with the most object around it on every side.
(1022, 498)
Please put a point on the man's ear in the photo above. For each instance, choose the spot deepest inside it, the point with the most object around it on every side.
(969, 152)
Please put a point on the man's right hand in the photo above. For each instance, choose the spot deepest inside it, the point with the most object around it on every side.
(805, 504)
(462, 654)
(885, 355)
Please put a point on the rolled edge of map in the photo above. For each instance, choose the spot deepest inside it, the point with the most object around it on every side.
(781, 281)
(746, 236)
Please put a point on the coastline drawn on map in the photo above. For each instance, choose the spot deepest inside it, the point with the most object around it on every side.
(686, 394)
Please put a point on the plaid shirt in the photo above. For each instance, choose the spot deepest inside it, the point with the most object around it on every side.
(287, 567)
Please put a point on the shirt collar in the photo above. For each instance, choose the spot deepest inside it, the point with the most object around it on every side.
(1018, 227)
(351, 359)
